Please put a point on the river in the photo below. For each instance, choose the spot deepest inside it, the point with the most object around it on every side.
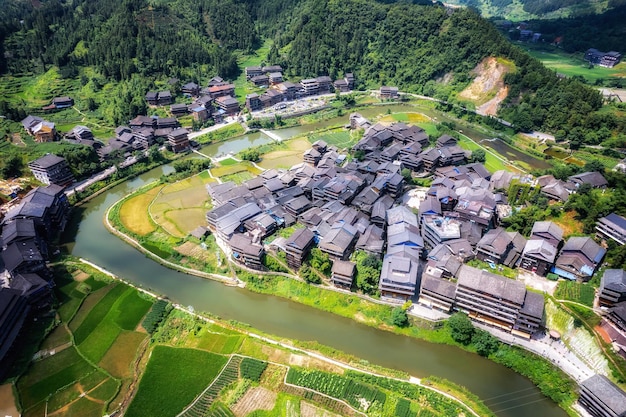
(505, 392)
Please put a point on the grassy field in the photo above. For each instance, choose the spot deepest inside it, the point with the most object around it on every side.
(220, 134)
(173, 378)
(259, 57)
(492, 163)
(133, 212)
(572, 65)
(340, 137)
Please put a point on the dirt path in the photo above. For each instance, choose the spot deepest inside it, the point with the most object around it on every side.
(83, 394)
(130, 394)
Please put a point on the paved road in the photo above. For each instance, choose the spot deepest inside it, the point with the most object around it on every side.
(229, 121)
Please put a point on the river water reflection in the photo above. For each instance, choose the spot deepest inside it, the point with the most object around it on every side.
(507, 393)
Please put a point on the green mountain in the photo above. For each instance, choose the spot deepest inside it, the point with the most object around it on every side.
(538, 9)
(422, 49)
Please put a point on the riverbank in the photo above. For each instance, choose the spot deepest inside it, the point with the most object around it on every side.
(448, 391)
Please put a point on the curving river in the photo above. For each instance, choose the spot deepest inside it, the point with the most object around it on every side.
(505, 392)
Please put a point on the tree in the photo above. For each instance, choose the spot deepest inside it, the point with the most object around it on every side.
(461, 328)
(320, 261)
(406, 173)
(309, 275)
(484, 343)
(594, 165)
(478, 155)
(12, 167)
(399, 317)
(250, 155)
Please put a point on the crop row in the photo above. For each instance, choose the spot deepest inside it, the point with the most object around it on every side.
(202, 405)
(403, 408)
(252, 369)
(155, 316)
(354, 392)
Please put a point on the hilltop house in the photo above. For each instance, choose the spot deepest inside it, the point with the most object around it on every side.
(51, 169)
(612, 227)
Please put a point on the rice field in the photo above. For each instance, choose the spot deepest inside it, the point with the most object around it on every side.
(285, 158)
(133, 213)
(180, 207)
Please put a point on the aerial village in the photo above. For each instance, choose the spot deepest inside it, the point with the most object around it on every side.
(342, 201)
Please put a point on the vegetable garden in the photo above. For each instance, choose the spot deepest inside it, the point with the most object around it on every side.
(359, 395)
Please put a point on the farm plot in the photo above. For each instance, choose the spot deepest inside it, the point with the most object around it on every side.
(285, 158)
(218, 342)
(49, 375)
(309, 410)
(252, 369)
(180, 207)
(204, 402)
(257, 398)
(118, 358)
(133, 213)
(173, 378)
(120, 309)
(357, 394)
(575, 291)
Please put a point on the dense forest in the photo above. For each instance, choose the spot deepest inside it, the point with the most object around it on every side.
(123, 38)
(540, 8)
(421, 49)
(605, 31)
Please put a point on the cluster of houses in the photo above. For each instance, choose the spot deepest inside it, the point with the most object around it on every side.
(559, 190)
(25, 280)
(279, 90)
(342, 207)
(218, 93)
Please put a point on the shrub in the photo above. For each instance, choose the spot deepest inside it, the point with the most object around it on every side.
(461, 328)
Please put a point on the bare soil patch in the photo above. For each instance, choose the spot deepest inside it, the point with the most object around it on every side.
(309, 410)
(193, 250)
(7, 401)
(257, 398)
(80, 276)
(488, 90)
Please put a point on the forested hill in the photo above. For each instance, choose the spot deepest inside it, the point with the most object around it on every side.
(425, 49)
(538, 9)
(120, 38)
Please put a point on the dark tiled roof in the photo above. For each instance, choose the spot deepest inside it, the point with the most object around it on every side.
(497, 286)
(607, 393)
(533, 305)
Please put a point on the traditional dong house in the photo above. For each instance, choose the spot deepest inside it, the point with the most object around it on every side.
(612, 227)
(398, 277)
(298, 246)
(579, 258)
(52, 169)
(612, 287)
(601, 398)
(342, 273)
